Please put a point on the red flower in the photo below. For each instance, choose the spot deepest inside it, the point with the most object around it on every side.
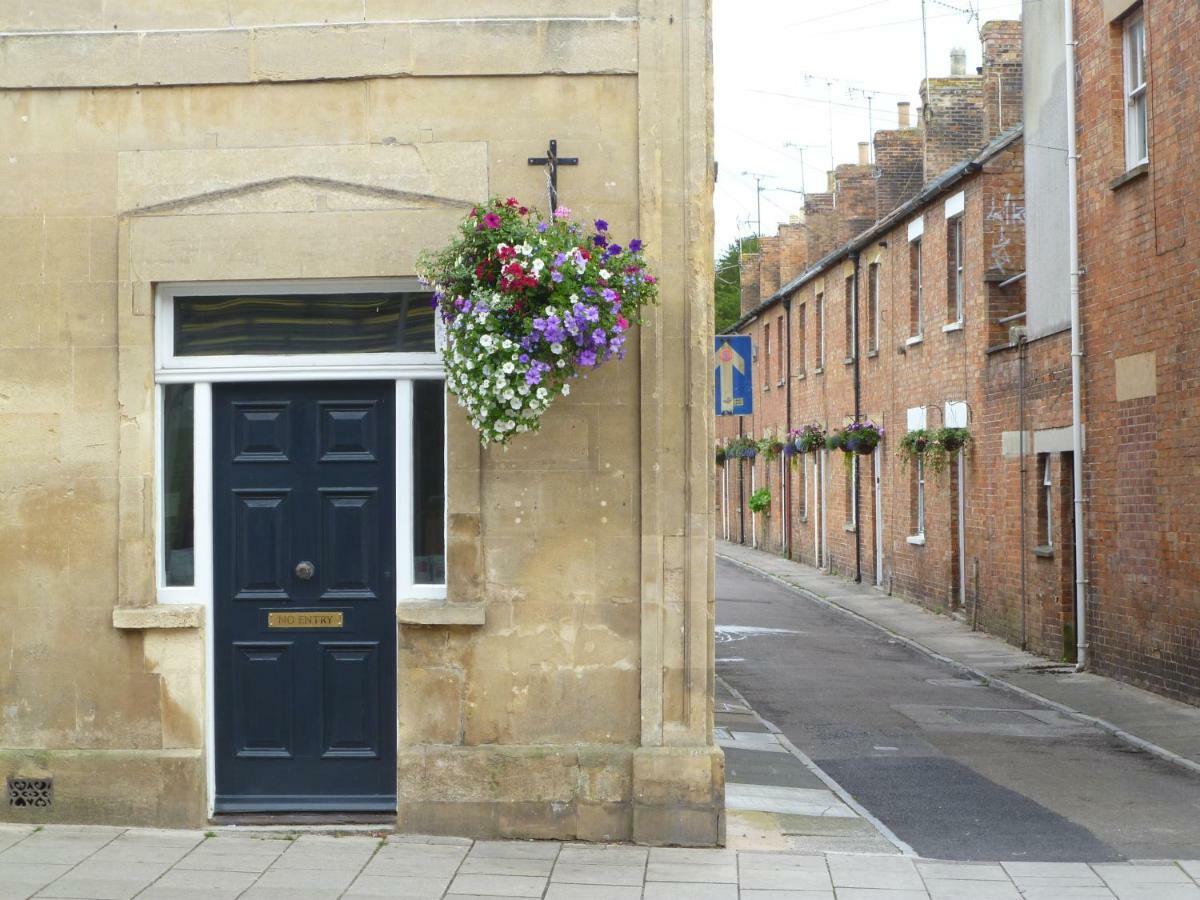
(584, 253)
(511, 201)
(507, 252)
(524, 210)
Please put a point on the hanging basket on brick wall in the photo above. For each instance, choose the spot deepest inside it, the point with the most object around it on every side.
(862, 437)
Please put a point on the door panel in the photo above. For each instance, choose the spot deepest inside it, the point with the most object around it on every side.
(351, 724)
(265, 685)
(304, 596)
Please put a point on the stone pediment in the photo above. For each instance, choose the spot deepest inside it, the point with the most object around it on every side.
(302, 179)
(299, 194)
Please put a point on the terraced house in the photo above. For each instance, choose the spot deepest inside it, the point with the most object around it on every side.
(962, 299)
(254, 563)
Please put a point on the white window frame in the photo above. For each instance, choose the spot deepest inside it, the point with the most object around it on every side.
(820, 317)
(920, 464)
(873, 286)
(1133, 64)
(852, 301)
(956, 232)
(915, 336)
(202, 371)
(853, 488)
(1048, 500)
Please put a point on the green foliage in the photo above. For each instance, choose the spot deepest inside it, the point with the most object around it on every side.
(727, 288)
(934, 447)
(760, 501)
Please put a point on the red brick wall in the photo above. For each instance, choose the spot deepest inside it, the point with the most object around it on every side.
(1141, 294)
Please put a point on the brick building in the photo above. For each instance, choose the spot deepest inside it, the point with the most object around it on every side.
(873, 328)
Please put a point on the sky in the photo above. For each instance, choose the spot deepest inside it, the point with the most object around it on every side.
(782, 67)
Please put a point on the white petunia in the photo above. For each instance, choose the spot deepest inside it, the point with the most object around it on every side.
(556, 347)
(566, 389)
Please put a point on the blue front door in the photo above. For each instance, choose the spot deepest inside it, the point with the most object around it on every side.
(304, 596)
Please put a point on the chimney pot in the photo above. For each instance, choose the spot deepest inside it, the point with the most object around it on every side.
(902, 113)
(864, 153)
(958, 61)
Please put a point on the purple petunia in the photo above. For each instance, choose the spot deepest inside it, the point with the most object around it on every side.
(491, 220)
(586, 358)
(613, 250)
(601, 225)
(556, 276)
(599, 240)
(542, 227)
(635, 246)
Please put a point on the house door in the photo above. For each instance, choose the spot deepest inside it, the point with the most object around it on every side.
(304, 596)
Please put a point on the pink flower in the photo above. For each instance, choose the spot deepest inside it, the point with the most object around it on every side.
(562, 213)
(491, 220)
(622, 322)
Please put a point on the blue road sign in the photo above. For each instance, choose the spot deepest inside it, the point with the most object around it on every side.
(734, 375)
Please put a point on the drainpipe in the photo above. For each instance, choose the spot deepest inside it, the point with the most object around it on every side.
(1021, 351)
(787, 427)
(741, 490)
(1081, 647)
(857, 414)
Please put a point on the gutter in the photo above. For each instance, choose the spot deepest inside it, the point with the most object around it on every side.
(787, 427)
(943, 184)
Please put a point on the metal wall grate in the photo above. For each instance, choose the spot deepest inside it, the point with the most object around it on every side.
(30, 793)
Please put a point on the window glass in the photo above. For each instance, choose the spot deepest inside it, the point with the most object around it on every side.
(1135, 91)
(275, 324)
(429, 482)
(178, 540)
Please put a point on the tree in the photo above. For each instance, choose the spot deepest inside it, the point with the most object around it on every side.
(728, 284)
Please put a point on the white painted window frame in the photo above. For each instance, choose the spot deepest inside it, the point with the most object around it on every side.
(916, 336)
(1048, 499)
(820, 323)
(853, 488)
(955, 233)
(401, 368)
(873, 300)
(916, 421)
(1133, 64)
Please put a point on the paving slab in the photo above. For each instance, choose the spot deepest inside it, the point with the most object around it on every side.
(691, 872)
(572, 873)
(407, 887)
(504, 865)
(662, 890)
(787, 800)
(797, 879)
(498, 885)
(21, 880)
(603, 855)
(517, 849)
(592, 892)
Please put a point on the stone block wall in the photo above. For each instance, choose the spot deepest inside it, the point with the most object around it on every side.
(245, 152)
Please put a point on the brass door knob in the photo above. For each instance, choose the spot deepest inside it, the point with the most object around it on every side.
(305, 570)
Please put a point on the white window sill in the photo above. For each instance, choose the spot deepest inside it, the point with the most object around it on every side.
(850, 526)
(818, 370)
(914, 340)
(917, 540)
(953, 326)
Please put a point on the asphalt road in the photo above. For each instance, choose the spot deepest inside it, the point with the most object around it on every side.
(954, 768)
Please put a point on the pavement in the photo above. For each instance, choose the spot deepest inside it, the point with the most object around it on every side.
(1161, 726)
(937, 755)
(119, 864)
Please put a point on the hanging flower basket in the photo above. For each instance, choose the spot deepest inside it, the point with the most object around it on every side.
(835, 440)
(720, 456)
(760, 501)
(529, 304)
(810, 438)
(770, 448)
(741, 448)
(862, 437)
(953, 439)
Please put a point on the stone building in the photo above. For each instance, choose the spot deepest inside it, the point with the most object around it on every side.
(206, 212)
(993, 536)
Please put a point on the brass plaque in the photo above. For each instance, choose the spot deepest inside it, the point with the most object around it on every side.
(305, 620)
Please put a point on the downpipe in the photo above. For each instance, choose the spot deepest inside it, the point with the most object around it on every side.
(857, 414)
(1081, 645)
(787, 427)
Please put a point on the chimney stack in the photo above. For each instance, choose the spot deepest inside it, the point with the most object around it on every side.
(902, 113)
(958, 62)
(864, 153)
